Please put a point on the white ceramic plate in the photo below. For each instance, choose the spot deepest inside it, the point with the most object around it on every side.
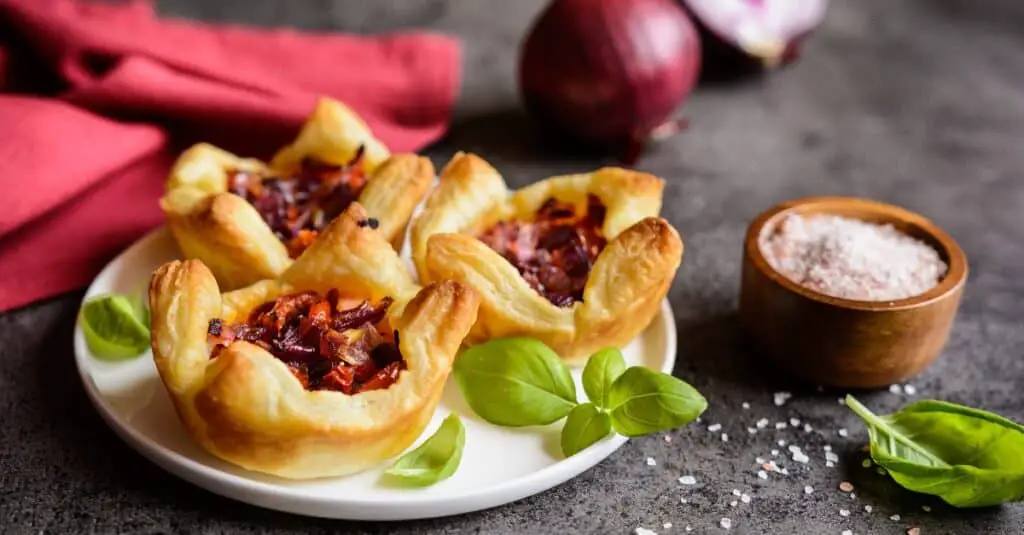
(499, 465)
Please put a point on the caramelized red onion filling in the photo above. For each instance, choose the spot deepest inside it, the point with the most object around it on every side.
(298, 207)
(326, 345)
(555, 251)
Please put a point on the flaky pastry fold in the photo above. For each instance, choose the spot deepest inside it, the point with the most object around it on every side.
(227, 233)
(625, 286)
(246, 407)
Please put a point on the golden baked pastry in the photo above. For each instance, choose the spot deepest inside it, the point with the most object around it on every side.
(580, 262)
(325, 371)
(246, 220)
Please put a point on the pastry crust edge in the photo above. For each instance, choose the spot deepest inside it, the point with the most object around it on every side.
(228, 234)
(630, 278)
(247, 408)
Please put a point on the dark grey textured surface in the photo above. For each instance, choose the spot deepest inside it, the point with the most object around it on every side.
(917, 102)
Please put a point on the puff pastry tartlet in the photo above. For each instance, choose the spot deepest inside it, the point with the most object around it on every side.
(580, 262)
(325, 371)
(247, 220)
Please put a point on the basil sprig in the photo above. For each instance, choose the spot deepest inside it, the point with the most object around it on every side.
(520, 381)
(436, 458)
(967, 457)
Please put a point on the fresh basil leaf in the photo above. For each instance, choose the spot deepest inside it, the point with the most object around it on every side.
(585, 425)
(643, 401)
(436, 458)
(602, 369)
(967, 457)
(112, 327)
(515, 382)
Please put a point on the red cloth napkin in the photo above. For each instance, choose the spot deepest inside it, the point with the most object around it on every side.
(97, 99)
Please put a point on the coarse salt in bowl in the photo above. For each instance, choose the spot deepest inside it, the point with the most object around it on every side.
(849, 292)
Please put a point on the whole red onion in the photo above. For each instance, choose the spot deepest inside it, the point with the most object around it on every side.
(610, 72)
(748, 35)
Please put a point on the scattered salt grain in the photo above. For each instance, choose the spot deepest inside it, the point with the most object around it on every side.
(866, 463)
(850, 258)
(780, 425)
(895, 389)
(793, 448)
(761, 474)
(914, 531)
(746, 406)
(829, 456)
(827, 447)
(688, 480)
(842, 401)
(751, 430)
(759, 460)
(736, 492)
(853, 495)
(682, 500)
(868, 508)
(714, 427)
(781, 442)
(688, 528)
(651, 461)
(668, 438)
(926, 508)
(781, 398)
(667, 525)
(808, 489)
(843, 432)
(829, 464)
(808, 428)
(801, 457)
(844, 512)
(745, 498)
(725, 523)
(910, 390)
(895, 518)
(775, 453)
(644, 531)
(725, 437)
(794, 422)
(846, 486)
(846, 532)
(762, 423)
(733, 503)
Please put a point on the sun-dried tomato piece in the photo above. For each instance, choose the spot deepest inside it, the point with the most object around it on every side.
(340, 378)
(301, 242)
(384, 378)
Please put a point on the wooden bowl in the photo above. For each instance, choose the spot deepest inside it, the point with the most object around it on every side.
(837, 342)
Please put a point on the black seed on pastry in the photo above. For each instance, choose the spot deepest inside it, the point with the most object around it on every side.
(369, 222)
